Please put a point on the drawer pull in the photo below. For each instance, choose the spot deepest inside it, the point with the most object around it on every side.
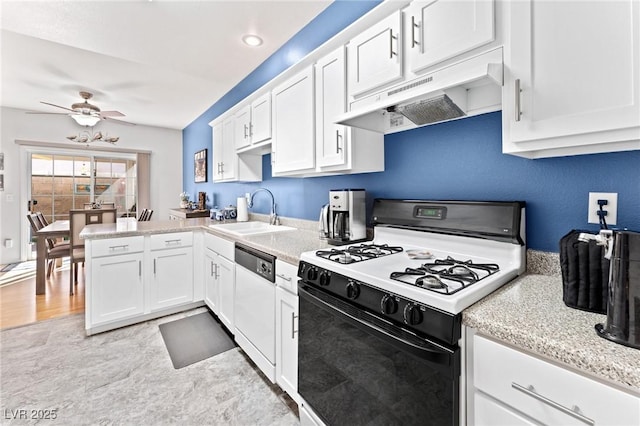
(529, 390)
(173, 242)
(123, 247)
(283, 277)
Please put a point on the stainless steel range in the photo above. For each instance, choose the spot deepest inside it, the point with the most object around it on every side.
(386, 315)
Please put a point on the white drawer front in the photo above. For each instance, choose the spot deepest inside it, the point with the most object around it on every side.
(287, 276)
(115, 246)
(547, 392)
(172, 240)
(221, 246)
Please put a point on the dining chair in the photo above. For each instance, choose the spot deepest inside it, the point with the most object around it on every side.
(145, 215)
(54, 250)
(78, 219)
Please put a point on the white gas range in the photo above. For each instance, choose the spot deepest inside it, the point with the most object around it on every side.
(380, 322)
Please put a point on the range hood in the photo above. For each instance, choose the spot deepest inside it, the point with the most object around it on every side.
(432, 98)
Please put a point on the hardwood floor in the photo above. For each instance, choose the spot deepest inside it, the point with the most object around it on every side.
(19, 304)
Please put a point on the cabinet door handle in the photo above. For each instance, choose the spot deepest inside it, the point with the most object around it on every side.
(211, 268)
(338, 137)
(413, 32)
(245, 131)
(517, 91)
(293, 327)
(391, 38)
(140, 268)
(283, 277)
(250, 129)
(529, 390)
(154, 266)
(217, 272)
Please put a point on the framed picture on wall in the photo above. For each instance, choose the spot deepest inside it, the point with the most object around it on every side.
(200, 169)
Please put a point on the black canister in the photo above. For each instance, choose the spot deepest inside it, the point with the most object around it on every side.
(623, 307)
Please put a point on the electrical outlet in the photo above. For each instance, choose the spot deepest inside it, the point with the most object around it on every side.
(611, 208)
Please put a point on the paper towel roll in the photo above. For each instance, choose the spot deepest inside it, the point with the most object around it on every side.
(243, 214)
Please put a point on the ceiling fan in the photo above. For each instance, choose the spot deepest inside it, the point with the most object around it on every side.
(84, 113)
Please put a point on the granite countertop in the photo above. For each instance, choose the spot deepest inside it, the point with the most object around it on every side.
(285, 245)
(529, 313)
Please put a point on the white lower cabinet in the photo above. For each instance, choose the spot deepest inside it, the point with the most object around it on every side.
(211, 282)
(172, 270)
(287, 329)
(117, 290)
(219, 274)
(226, 287)
(512, 387)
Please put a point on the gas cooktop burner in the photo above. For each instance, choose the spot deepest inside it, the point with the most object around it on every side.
(358, 253)
(446, 276)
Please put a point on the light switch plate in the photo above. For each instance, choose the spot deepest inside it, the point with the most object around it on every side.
(611, 208)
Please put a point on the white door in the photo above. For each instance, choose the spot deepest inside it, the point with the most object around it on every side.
(218, 144)
(293, 124)
(229, 156)
(441, 29)
(287, 342)
(211, 291)
(242, 127)
(226, 291)
(331, 100)
(117, 290)
(571, 74)
(260, 129)
(375, 56)
(172, 282)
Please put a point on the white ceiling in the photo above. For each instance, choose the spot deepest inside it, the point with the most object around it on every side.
(161, 63)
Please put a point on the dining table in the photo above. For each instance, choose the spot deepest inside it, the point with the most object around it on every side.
(57, 229)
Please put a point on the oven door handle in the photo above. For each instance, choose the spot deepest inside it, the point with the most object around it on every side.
(445, 359)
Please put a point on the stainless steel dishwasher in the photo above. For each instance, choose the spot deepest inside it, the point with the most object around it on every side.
(255, 316)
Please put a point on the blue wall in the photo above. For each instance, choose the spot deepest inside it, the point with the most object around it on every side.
(456, 160)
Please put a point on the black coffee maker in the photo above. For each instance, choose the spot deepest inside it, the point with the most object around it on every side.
(623, 308)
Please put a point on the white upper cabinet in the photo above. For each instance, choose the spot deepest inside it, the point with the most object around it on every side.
(331, 100)
(572, 78)
(340, 148)
(441, 29)
(260, 129)
(253, 122)
(293, 144)
(375, 56)
(242, 127)
(229, 166)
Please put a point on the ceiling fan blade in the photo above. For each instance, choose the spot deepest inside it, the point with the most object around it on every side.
(118, 121)
(50, 113)
(111, 114)
(57, 106)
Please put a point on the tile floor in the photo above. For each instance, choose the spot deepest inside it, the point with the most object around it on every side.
(126, 377)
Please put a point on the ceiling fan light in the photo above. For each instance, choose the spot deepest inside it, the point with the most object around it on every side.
(85, 119)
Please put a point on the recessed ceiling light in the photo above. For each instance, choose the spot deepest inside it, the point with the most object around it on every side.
(252, 40)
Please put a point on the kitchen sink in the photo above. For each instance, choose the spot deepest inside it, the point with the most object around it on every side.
(250, 228)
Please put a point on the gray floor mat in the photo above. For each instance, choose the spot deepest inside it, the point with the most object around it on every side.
(194, 338)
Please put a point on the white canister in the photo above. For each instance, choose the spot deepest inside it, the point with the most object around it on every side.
(243, 213)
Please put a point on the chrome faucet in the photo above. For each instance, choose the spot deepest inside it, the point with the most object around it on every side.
(273, 219)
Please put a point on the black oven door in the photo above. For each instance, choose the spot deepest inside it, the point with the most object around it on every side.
(356, 368)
